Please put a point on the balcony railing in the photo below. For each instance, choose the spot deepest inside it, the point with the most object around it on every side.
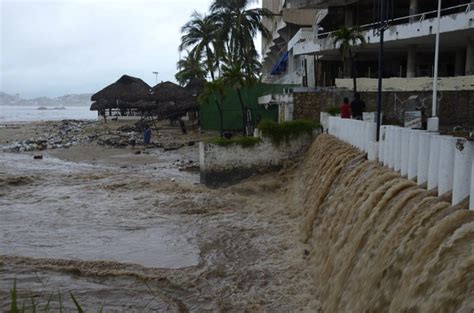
(401, 20)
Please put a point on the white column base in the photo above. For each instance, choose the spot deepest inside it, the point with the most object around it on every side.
(471, 203)
(447, 146)
(463, 156)
(373, 153)
(433, 124)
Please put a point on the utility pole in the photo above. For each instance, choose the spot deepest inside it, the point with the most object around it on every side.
(381, 29)
(156, 77)
(433, 122)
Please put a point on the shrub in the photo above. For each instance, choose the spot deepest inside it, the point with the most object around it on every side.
(334, 111)
(279, 132)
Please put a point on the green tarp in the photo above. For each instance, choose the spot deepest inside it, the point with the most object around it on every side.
(209, 116)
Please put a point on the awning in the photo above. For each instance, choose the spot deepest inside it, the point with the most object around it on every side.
(280, 65)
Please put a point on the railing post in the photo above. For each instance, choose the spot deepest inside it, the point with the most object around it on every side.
(447, 148)
(463, 157)
(424, 157)
(405, 151)
(471, 202)
(434, 162)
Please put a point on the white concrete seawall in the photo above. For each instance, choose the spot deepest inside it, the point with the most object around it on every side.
(431, 160)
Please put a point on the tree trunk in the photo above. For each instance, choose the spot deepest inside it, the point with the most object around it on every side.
(221, 118)
(209, 62)
(353, 72)
(244, 117)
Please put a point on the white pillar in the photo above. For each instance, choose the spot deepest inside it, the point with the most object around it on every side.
(411, 62)
(413, 8)
(471, 202)
(433, 162)
(373, 152)
(370, 134)
(447, 146)
(463, 157)
(381, 145)
(424, 157)
(470, 57)
(397, 147)
(405, 151)
(388, 146)
(413, 154)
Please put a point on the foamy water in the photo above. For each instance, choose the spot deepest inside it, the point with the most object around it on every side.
(9, 113)
(66, 210)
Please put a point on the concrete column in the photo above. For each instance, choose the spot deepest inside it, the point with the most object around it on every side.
(397, 156)
(404, 151)
(423, 157)
(470, 58)
(447, 147)
(370, 134)
(460, 62)
(349, 15)
(463, 157)
(413, 154)
(331, 125)
(471, 202)
(413, 9)
(391, 158)
(388, 146)
(382, 144)
(373, 152)
(411, 61)
(433, 162)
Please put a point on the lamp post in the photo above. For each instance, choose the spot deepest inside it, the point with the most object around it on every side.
(382, 26)
(433, 122)
(156, 77)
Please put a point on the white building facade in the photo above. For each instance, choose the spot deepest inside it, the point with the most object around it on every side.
(302, 52)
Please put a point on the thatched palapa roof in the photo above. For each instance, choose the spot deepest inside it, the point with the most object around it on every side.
(168, 91)
(165, 100)
(127, 88)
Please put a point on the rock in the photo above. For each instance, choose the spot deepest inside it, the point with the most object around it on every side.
(191, 143)
(127, 128)
(38, 157)
(138, 152)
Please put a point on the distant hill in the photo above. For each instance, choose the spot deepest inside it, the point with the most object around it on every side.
(63, 101)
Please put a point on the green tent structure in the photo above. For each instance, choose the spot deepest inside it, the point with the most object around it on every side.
(209, 115)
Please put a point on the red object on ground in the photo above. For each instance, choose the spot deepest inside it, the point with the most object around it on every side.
(345, 110)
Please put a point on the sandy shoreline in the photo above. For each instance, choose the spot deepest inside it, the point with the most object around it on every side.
(249, 256)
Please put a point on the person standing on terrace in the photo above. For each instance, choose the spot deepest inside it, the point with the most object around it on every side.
(345, 109)
(357, 107)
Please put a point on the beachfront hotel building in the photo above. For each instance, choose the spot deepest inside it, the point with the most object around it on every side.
(301, 51)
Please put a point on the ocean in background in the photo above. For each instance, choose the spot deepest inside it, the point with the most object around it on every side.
(12, 113)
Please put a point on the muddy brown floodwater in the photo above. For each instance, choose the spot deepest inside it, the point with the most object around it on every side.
(130, 232)
(133, 233)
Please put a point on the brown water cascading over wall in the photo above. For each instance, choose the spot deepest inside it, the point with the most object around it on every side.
(379, 243)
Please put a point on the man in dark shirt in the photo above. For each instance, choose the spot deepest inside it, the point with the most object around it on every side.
(357, 107)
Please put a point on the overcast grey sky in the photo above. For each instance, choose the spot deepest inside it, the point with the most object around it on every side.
(56, 47)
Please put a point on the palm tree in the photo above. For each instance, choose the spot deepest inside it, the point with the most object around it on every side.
(235, 74)
(239, 26)
(201, 34)
(190, 67)
(347, 38)
(214, 89)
